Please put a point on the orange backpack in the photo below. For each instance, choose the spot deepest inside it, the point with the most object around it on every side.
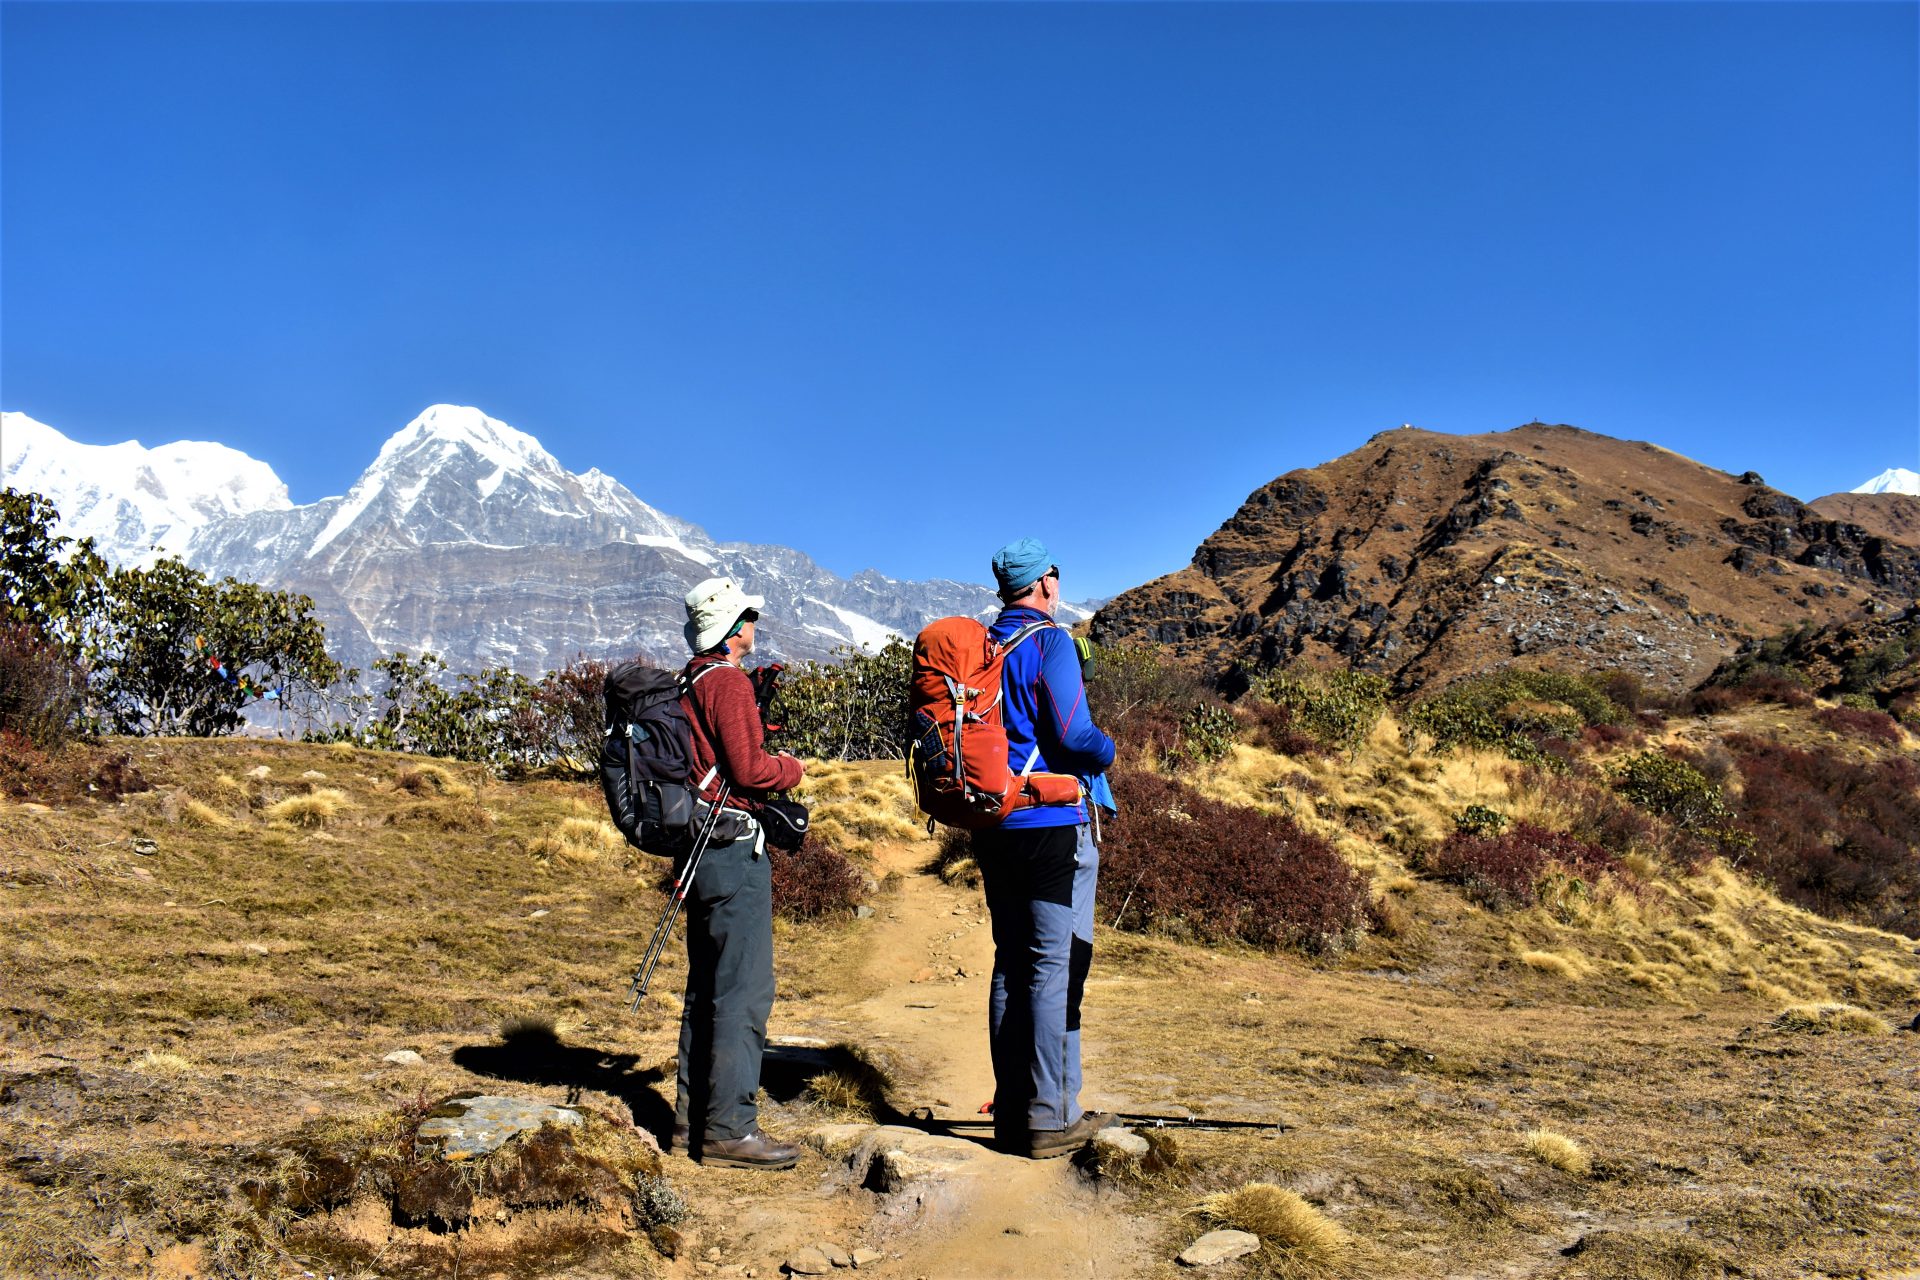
(958, 756)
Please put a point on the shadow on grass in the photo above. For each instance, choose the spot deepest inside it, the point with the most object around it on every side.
(536, 1055)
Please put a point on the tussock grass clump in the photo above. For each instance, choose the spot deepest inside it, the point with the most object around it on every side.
(1825, 1016)
(447, 815)
(195, 813)
(853, 808)
(1282, 1219)
(954, 863)
(856, 1087)
(430, 780)
(313, 810)
(578, 840)
(1559, 1151)
(1568, 968)
(160, 1062)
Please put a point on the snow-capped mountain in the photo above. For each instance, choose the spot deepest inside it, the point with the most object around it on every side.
(1892, 480)
(466, 538)
(137, 504)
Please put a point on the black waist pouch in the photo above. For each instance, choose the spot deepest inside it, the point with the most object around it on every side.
(785, 822)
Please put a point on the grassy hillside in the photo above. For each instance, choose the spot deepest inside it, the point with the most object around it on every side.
(1660, 1071)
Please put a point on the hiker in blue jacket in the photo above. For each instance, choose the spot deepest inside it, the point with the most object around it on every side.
(1039, 868)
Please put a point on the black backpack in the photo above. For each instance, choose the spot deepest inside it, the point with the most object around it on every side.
(645, 760)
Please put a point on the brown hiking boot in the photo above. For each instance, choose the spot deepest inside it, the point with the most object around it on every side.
(681, 1140)
(755, 1151)
(1045, 1144)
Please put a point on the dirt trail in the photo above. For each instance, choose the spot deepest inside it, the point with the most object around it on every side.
(928, 966)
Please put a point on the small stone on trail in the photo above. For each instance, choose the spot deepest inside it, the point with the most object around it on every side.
(535, 915)
(866, 1257)
(314, 775)
(924, 975)
(1219, 1246)
(836, 1255)
(808, 1262)
(714, 1254)
(405, 1057)
(863, 912)
(259, 771)
(145, 847)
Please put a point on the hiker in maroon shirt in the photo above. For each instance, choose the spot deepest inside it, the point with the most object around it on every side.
(723, 1027)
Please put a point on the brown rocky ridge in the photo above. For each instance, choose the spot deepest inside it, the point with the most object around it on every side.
(1887, 515)
(1425, 556)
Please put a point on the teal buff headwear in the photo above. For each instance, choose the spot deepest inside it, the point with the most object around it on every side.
(1018, 565)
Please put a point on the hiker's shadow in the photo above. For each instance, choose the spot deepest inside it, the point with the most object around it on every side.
(788, 1073)
(535, 1055)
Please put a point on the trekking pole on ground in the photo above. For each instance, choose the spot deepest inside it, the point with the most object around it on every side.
(643, 976)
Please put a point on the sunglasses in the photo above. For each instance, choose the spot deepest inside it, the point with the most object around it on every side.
(1053, 573)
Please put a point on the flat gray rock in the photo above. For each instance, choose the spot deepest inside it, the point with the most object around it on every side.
(404, 1057)
(474, 1126)
(1216, 1247)
(1119, 1142)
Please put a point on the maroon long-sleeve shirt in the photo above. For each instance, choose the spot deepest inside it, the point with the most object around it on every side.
(727, 730)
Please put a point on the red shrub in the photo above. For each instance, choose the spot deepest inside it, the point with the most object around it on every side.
(40, 687)
(1594, 814)
(1877, 725)
(1501, 870)
(814, 881)
(1177, 862)
(1836, 835)
(1271, 725)
(1599, 737)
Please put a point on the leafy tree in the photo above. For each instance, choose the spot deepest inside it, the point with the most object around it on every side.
(49, 583)
(151, 653)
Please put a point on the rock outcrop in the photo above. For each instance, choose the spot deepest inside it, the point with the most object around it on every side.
(1424, 556)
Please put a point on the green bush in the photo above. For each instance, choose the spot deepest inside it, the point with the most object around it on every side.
(1671, 788)
(1338, 708)
(1528, 715)
(1207, 734)
(1479, 820)
(851, 709)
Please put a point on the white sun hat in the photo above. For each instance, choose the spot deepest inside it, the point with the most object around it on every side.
(712, 609)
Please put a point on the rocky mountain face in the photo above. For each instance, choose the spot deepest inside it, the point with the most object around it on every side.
(1425, 556)
(467, 539)
(137, 504)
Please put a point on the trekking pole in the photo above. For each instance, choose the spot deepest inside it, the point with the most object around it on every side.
(643, 976)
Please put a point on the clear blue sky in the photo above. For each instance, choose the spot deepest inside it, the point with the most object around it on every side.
(829, 275)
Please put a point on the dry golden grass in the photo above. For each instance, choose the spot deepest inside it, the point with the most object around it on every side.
(314, 809)
(1282, 1219)
(858, 804)
(1558, 1150)
(196, 814)
(424, 779)
(162, 1062)
(1817, 1019)
(1569, 968)
(577, 839)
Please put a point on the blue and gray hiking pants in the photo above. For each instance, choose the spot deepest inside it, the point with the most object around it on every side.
(1039, 883)
(723, 1028)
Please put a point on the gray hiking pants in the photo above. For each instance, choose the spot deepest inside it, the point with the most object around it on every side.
(1039, 884)
(723, 1028)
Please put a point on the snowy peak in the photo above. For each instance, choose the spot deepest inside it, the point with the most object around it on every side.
(137, 504)
(1893, 480)
(443, 431)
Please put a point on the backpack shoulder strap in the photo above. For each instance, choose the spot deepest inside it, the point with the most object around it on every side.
(1032, 628)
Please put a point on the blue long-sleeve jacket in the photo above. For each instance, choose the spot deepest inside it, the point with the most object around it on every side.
(1045, 706)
